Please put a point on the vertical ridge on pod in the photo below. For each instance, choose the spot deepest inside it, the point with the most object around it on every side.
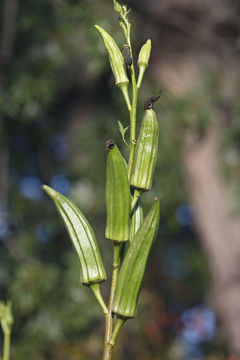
(134, 264)
(82, 236)
(118, 196)
(145, 156)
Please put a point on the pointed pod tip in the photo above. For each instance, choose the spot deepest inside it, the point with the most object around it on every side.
(45, 187)
(51, 192)
(155, 199)
(100, 29)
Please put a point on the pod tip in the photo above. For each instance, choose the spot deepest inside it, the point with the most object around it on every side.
(149, 43)
(155, 199)
(99, 29)
(51, 192)
(149, 103)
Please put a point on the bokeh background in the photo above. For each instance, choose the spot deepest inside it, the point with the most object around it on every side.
(58, 106)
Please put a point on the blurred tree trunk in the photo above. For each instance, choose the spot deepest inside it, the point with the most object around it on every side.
(9, 23)
(219, 230)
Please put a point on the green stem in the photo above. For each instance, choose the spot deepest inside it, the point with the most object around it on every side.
(133, 111)
(117, 327)
(136, 196)
(109, 319)
(96, 290)
(6, 345)
(132, 122)
(140, 75)
(124, 89)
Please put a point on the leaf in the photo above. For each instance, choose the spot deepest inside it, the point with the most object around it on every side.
(123, 131)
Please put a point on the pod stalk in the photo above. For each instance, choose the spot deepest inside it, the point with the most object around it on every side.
(97, 293)
(136, 196)
(109, 318)
(124, 89)
(118, 325)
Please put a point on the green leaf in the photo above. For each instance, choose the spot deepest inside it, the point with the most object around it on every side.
(123, 131)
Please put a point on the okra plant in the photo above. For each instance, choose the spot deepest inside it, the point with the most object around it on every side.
(131, 234)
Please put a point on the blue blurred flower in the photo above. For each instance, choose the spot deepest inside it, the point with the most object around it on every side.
(184, 214)
(31, 187)
(60, 183)
(199, 324)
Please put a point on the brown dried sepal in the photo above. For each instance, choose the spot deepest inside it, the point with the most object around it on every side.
(110, 144)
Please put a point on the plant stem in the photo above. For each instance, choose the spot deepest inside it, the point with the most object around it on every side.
(140, 76)
(109, 319)
(124, 89)
(136, 196)
(132, 122)
(6, 344)
(117, 327)
(96, 290)
(133, 112)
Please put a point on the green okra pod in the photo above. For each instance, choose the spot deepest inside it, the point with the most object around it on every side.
(115, 56)
(134, 264)
(143, 60)
(82, 236)
(146, 152)
(118, 196)
(6, 316)
(117, 63)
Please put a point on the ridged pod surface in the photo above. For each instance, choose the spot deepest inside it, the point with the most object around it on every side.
(134, 264)
(146, 152)
(144, 54)
(118, 196)
(115, 57)
(82, 236)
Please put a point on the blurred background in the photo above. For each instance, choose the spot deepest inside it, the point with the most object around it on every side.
(58, 106)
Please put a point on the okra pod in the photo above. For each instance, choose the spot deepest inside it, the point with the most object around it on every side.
(82, 236)
(115, 57)
(118, 196)
(117, 63)
(134, 264)
(143, 60)
(146, 152)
